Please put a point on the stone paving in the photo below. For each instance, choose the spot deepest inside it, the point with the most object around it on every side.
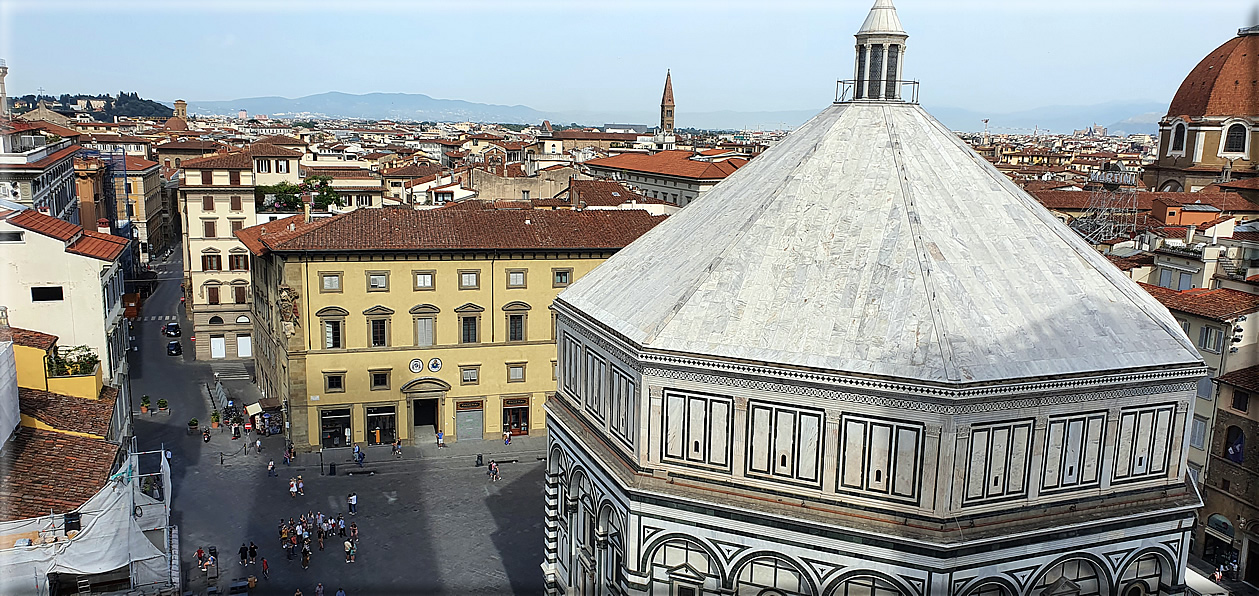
(429, 523)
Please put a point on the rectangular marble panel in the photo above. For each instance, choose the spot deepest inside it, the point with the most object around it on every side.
(880, 457)
(784, 438)
(674, 422)
(719, 432)
(907, 467)
(758, 439)
(853, 457)
(808, 439)
(696, 424)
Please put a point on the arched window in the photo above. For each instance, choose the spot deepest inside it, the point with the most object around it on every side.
(1235, 142)
(242, 319)
(1178, 137)
(216, 320)
(1235, 445)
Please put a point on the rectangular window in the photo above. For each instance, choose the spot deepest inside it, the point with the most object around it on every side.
(377, 281)
(240, 293)
(1184, 325)
(424, 280)
(516, 373)
(263, 166)
(515, 278)
(334, 383)
(238, 262)
(207, 177)
(209, 229)
(1165, 278)
(235, 204)
(1211, 339)
(47, 294)
(212, 294)
(469, 375)
(1198, 433)
(424, 331)
(1241, 400)
(468, 330)
(281, 166)
(470, 279)
(11, 236)
(379, 332)
(561, 277)
(516, 327)
(1206, 389)
(237, 225)
(332, 335)
(331, 282)
(1186, 282)
(207, 203)
(380, 380)
(233, 177)
(211, 263)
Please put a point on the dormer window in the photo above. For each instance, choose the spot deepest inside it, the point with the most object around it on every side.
(1178, 137)
(1235, 141)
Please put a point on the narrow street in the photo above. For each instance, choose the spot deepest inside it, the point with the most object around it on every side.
(430, 522)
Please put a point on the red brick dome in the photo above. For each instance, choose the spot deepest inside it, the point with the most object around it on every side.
(1225, 83)
(176, 123)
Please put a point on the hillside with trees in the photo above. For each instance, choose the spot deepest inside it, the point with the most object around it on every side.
(123, 104)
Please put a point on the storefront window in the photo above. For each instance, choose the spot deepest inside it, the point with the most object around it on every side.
(382, 425)
(335, 427)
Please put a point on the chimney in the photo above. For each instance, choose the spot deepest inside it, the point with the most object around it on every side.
(1189, 234)
(102, 225)
(6, 334)
(306, 211)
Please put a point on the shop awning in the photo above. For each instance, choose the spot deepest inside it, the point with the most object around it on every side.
(253, 409)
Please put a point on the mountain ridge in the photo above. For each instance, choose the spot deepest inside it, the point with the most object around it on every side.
(1129, 117)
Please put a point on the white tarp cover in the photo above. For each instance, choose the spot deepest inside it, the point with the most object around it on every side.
(110, 538)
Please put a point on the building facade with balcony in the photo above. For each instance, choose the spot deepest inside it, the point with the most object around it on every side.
(38, 171)
(1229, 523)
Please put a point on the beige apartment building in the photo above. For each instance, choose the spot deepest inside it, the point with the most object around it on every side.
(371, 328)
(142, 188)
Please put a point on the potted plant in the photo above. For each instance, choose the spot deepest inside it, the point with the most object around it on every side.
(144, 404)
(192, 424)
(162, 404)
(214, 419)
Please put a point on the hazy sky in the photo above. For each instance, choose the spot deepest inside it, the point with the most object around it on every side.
(998, 55)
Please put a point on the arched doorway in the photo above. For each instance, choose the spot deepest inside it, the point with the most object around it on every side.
(425, 396)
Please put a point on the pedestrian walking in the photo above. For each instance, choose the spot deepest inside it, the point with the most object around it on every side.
(353, 551)
(360, 458)
(244, 554)
(493, 471)
(507, 437)
(298, 592)
(293, 487)
(341, 524)
(266, 568)
(321, 538)
(200, 556)
(259, 445)
(253, 552)
(301, 486)
(354, 532)
(271, 468)
(441, 439)
(348, 545)
(352, 501)
(306, 557)
(340, 592)
(357, 450)
(319, 589)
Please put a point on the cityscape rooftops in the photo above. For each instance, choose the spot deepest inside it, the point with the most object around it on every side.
(1222, 304)
(676, 163)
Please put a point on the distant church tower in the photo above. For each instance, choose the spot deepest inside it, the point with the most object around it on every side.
(666, 105)
(880, 53)
(181, 109)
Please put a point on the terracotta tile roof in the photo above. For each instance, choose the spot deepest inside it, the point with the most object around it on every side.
(1222, 84)
(376, 155)
(1206, 225)
(47, 225)
(190, 145)
(670, 163)
(607, 193)
(46, 471)
(66, 412)
(281, 140)
(1133, 262)
(465, 228)
(1246, 184)
(1079, 200)
(139, 164)
(1246, 378)
(32, 339)
(341, 172)
(105, 247)
(1219, 305)
(60, 131)
(67, 153)
(1246, 236)
(235, 160)
(412, 171)
(267, 150)
(88, 243)
(112, 138)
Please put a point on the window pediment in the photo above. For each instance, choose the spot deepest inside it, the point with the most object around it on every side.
(516, 306)
(425, 384)
(332, 311)
(424, 309)
(378, 310)
(210, 250)
(237, 250)
(469, 307)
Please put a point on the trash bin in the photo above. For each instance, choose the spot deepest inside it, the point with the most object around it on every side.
(332, 469)
(479, 460)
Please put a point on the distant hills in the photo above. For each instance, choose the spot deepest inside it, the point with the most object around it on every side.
(1125, 117)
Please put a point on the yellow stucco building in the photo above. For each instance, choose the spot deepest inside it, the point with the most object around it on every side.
(396, 323)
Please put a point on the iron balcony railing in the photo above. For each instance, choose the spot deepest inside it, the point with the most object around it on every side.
(902, 90)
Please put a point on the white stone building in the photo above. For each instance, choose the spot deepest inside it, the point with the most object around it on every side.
(867, 363)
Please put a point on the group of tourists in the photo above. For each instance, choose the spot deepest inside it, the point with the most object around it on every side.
(313, 528)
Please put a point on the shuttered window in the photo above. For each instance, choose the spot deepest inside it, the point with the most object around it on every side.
(424, 331)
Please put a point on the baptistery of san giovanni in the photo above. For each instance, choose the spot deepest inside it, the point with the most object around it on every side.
(867, 363)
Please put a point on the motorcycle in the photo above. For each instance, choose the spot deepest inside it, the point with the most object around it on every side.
(205, 436)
